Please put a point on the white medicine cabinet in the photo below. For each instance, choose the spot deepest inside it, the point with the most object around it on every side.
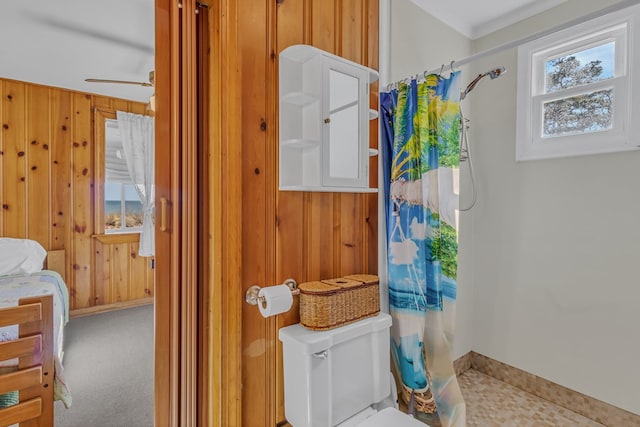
(324, 122)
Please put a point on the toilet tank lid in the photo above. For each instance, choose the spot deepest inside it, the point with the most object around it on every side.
(307, 341)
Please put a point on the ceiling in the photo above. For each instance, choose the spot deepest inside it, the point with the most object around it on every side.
(477, 18)
(60, 43)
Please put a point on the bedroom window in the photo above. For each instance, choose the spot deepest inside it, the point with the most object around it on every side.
(122, 206)
(574, 92)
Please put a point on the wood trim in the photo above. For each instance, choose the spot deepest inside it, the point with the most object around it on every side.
(166, 318)
(80, 312)
(271, 201)
(116, 238)
(226, 296)
(189, 213)
(203, 45)
(99, 118)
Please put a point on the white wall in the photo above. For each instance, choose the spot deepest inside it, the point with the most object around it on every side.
(549, 271)
(556, 244)
(420, 42)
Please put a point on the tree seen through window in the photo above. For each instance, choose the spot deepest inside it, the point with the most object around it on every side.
(587, 112)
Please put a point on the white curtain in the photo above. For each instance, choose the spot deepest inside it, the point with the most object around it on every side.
(137, 133)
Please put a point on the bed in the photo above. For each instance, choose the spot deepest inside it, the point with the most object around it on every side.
(34, 307)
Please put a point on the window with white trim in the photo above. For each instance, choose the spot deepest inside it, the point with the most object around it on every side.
(122, 205)
(574, 90)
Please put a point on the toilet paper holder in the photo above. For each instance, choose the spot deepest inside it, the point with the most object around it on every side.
(251, 297)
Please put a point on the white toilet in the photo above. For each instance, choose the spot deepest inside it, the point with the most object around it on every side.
(341, 377)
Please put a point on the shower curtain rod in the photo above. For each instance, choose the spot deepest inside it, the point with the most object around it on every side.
(523, 40)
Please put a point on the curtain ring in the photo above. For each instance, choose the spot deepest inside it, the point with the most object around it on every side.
(451, 66)
(441, 70)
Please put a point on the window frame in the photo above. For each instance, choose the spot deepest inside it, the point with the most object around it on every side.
(101, 116)
(620, 27)
(123, 212)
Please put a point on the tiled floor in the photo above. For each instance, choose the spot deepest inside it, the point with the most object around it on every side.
(491, 402)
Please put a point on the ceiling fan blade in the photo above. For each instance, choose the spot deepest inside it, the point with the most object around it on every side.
(125, 82)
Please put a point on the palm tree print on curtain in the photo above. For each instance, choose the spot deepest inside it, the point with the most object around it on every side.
(421, 134)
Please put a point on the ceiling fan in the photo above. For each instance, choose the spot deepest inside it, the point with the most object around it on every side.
(150, 83)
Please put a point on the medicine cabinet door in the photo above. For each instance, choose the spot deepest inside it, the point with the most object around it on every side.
(346, 132)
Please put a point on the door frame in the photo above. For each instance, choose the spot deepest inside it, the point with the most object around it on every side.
(198, 299)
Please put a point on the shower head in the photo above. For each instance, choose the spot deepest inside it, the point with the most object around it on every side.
(494, 73)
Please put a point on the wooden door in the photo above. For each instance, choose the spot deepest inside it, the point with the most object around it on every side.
(177, 226)
(198, 196)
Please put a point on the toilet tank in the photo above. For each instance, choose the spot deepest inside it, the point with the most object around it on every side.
(332, 375)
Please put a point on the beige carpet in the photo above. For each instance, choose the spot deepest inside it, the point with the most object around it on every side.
(108, 365)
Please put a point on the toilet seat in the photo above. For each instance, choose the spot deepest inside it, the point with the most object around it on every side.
(391, 417)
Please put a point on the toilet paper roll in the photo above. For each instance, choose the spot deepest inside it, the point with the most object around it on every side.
(277, 299)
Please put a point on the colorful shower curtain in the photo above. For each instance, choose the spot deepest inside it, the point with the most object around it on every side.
(421, 139)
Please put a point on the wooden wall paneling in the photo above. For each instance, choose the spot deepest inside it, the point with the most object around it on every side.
(120, 104)
(138, 108)
(138, 271)
(47, 180)
(102, 273)
(291, 21)
(37, 177)
(60, 171)
(150, 277)
(321, 229)
(314, 235)
(102, 102)
(255, 329)
(290, 24)
(81, 292)
(352, 34)
(224, 387)
(14, 160)
(120, 271)
(372, 55)
(351, 211)
(323, 29)
(320, 234)
(290, 235)
(352, 239)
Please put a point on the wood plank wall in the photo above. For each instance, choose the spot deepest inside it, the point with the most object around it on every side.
(306, 236)
(47, 153)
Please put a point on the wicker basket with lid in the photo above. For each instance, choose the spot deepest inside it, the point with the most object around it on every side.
(328, 304)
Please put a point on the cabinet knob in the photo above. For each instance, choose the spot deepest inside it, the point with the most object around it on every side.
(327, 120)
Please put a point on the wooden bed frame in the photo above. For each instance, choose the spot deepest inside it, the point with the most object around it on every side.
(33, 378)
